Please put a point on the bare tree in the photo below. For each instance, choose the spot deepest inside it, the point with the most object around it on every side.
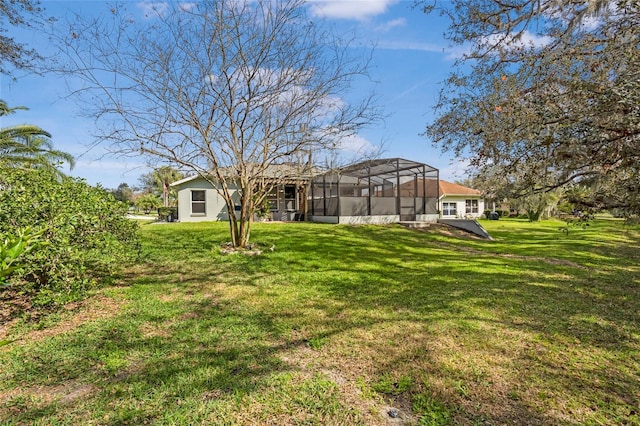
(224, 88)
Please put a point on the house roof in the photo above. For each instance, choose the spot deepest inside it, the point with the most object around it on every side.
(284, 173)
(449, 188)
(184, 180)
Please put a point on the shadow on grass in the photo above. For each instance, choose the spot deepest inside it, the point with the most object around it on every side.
(207, 333)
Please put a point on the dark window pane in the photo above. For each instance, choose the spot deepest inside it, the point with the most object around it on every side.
(197, 208)
(197, 195)
(290, 191)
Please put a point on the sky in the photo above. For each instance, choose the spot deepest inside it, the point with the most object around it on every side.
(410, 61)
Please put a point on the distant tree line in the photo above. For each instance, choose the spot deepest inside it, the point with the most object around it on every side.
(152, 192)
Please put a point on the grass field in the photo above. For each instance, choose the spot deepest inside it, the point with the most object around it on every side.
(344, 325)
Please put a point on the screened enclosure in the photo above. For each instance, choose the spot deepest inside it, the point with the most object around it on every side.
(376, 191)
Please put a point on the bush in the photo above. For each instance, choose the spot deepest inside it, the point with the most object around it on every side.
(168, 214)
(14, 247)
(86, 232)
(147, 203)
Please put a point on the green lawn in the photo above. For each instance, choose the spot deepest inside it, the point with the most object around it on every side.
(342, 325)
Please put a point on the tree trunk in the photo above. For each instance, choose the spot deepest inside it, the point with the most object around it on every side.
(239, 224)
(165, 194)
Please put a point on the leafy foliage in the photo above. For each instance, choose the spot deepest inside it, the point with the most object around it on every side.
(147, 203)
(13, 248)
(158, 182)
(123, 193)
(548, 94)
(578, 220)
(88, 236)
(27, 145)
(17, 13)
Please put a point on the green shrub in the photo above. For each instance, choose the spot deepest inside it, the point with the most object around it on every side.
(14, 247)
(87, 234)
(167, 213)
(148, 202)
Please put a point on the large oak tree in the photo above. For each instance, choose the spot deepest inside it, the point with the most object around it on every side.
(546, 95)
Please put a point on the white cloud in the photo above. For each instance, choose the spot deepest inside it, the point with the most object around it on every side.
(389, 25)
(187, 6)
(350, 9)
(525, 39)
(356, 144)
(153, 9)
(455, 170)
(506, 42)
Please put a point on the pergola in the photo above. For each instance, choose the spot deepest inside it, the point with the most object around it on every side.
(376, 191)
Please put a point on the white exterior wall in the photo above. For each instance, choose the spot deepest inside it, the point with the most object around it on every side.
(215, 207)
(433, 218)
(460, 201)
(373, 219)
(324, 219)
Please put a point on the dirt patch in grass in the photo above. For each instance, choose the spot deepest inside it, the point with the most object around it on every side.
(12, 303)
(310, 362)
(16, 401)
(73, 315)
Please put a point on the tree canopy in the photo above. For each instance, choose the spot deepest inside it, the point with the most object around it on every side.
(546, 95)
(27, 145)
(158, 181)
(17, 13)
(223, 88)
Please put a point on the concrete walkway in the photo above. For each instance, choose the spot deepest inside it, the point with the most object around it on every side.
(140, 217)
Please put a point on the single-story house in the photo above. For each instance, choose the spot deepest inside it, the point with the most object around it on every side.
(199, 201)
(375, 191)
(457, 201)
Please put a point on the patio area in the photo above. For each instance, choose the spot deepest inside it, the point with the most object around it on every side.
(376, 191)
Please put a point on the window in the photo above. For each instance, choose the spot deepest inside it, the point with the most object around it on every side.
(272, 199)
(449, 209)
(198, 202)
(290, 197)
(471, 206)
